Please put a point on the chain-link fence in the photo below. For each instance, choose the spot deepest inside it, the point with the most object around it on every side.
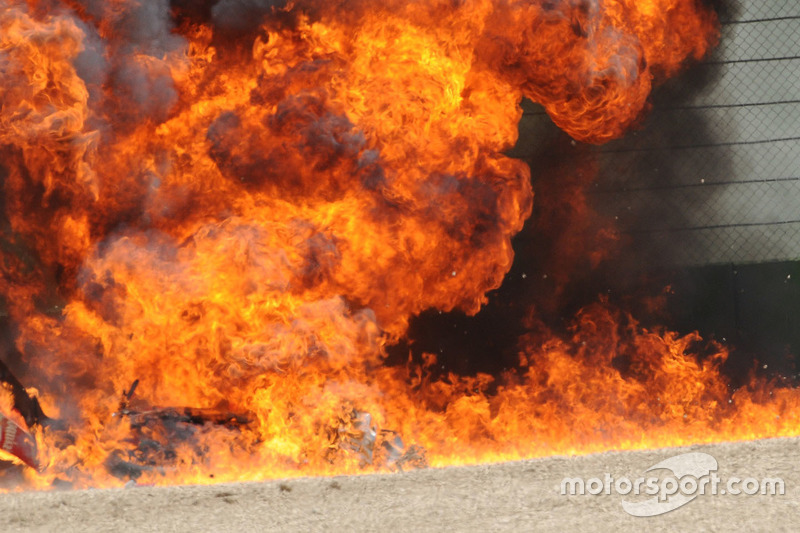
(713, 174)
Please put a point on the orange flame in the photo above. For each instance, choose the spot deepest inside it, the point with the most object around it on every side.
(242, 225)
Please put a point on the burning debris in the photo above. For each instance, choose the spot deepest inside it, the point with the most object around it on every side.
(230, 211)
(16, 441)
(25, 404)
(356, 433)
(157, 433)
(189, 415)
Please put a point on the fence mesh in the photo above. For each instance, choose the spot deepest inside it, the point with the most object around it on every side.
(713, 173)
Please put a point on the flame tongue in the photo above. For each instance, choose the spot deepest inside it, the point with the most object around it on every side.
(242, 225)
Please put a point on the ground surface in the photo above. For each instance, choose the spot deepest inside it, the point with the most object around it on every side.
(520, 496)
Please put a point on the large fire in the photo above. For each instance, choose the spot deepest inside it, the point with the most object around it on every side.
(218, 215)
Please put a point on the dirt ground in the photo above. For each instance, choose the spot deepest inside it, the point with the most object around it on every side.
(519, 496)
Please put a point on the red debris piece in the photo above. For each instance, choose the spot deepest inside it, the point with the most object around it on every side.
(18, 442)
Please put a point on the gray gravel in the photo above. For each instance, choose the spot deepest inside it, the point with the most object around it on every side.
(518, 496)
